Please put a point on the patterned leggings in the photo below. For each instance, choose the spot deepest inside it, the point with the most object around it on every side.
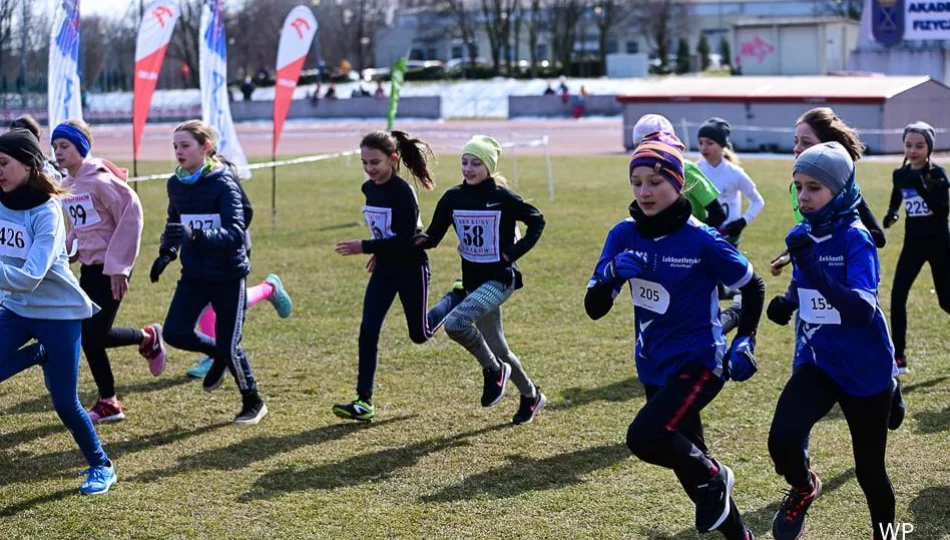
(475, 323)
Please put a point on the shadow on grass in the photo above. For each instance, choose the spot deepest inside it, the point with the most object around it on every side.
(617, 392)
(931, 509)
(923, 385)
(523, 474)
(8, 440)
(43, 404)
(758, 521)
(356, 470)
(244, 453)
(930, 422)
(14, 509)
(33, 468)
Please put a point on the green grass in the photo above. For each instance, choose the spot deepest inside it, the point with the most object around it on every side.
(435, 464)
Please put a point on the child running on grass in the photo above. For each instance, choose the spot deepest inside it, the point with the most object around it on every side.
(673, 264)
(484, 212)
(41, 298)
(105, 218)
(397, 266)
(843, 352)
(206, 227)
(923, 187)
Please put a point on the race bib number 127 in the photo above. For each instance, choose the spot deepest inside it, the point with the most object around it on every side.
(202, 221)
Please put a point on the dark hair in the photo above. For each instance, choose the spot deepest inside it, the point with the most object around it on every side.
(829, 128)
(414, 153)
(27, 122)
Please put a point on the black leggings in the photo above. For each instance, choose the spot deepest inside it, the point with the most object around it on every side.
(808, 396)
(934, 249)
(668, 431)
(98, 334)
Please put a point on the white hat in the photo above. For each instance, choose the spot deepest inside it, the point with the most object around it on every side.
(651, 123)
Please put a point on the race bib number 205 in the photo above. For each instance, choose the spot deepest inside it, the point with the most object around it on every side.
(478, 234)
(650, 295)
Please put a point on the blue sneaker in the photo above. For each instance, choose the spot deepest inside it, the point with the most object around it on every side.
(199, 371)
(280, 300)
(98, 479)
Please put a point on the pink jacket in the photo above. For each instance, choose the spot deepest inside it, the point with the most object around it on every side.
(105, 215)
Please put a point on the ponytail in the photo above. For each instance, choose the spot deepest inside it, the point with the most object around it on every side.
(500, 180)
(414, 153)
(730, 155)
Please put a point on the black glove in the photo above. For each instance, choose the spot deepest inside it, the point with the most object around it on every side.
(178, 233)
(780, 310)
(880, 240)
(735, 228)
(890, 219)
(158, 267)
(799, 241)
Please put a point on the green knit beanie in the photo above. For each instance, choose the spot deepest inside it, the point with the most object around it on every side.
(485, 148)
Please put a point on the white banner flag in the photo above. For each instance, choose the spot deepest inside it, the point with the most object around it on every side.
(215, 109)
(65, 100)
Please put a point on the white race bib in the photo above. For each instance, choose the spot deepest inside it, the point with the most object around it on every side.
(650, 295)
(80, 210)
(202, 221)
(15, 240)
(380, 221)
(915, 205)
(478, 234)
(815, 309)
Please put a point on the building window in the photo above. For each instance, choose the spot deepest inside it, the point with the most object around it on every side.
(612, 46)
(543, 51)
(633, 47)
(457, 51)
(431, 54)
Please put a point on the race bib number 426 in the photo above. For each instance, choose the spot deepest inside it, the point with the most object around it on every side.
(80, 210)
(202, 221)
(478, 234)
(15, 240)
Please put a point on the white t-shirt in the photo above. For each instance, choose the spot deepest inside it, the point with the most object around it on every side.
(732, 183)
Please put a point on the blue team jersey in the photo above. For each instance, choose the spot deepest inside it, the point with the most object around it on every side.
(860, 360)
(676, 302)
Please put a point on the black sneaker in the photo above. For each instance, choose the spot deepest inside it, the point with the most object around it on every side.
(898, 408)
(789, 522)
(495, 382)
(529, 407)
(253, 410)
(215, 375)
(712, 500)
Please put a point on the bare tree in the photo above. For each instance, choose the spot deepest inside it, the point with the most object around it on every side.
(497, 15)
(660, 21)
(533, 21)
(465, 26)
(565, 16)
(608, 15)
(184, 44)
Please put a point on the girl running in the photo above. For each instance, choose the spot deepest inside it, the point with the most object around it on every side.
(923, 187)
(206, 227)
(843, 352)
(27, 122)
(483, 212)
(397, 266)
(41, 298)
(721, 166)
(673, 264)
(819, 125)
(699, 191)
(105, 219)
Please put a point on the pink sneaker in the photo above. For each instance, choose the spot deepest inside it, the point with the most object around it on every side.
(106, 410)
(153, 349)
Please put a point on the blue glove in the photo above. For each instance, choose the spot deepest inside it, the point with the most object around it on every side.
(178, 233)
(741, 365)
(628, 265)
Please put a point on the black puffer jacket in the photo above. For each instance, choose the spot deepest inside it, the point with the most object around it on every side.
(212, 207)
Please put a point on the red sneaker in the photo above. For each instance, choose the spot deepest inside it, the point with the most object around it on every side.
(106, 410)
(153, 349)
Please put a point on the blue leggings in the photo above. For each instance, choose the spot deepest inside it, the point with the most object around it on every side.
(59, 347)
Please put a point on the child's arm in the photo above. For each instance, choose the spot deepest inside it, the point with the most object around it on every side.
(894, 206)
(530, 216)
(441, 219)
(756, 202)
(871, 224)
(604, 284)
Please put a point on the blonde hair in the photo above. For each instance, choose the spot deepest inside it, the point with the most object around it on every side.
(730, 155)
(203, 134)
(41, 181)
(500, 180)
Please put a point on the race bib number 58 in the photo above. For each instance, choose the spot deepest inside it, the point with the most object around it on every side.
(650, 295)
(15, 241)
(478, 234)
(80, 210)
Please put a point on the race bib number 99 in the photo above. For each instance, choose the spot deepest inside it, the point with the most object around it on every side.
(478, 235)
(915, 205)
(15, 241)
(80, 210)
(650, 296)
(815, 309)
(202, 221)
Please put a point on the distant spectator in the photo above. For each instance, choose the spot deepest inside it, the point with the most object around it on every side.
(262, 76)
(331, 92)
(578, 103)
(247, 89)
(565, 91)
(315, 96)
(549, 91)
(380, 93)
(360, 92)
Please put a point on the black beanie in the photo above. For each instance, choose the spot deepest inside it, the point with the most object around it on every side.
(718, 130)
(22, 146)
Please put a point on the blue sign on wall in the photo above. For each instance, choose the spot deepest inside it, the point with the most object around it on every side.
(887, 21)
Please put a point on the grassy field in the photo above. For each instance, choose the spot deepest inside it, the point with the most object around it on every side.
(435, 464)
